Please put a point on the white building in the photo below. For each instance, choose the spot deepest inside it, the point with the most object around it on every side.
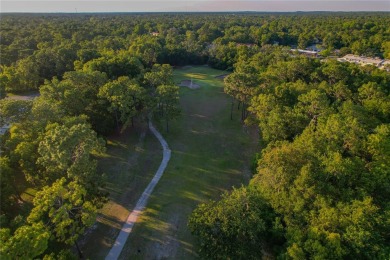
(377, 62)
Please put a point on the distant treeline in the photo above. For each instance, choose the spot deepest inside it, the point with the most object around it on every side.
(321, 180)
(321, 184)
(35, 47)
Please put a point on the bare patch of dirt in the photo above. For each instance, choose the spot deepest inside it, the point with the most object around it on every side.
(189, 84)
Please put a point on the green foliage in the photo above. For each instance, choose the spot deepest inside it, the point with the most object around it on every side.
(168, 102)
(242, 86)
(319, 184)
(31, 51)
(127, 98)
(239, 226)
(66, 151)
(322, 181)
(159, 75)
(375, 100)
(223, 56)
(115, 65)
(146, 47)
(22, 76)
(77, 94)
(52, 149)
(27, 242)
(325, 169)
(7, 184)
(65, 208)
(12, 111)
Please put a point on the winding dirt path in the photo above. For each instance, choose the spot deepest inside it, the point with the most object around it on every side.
(141, 203)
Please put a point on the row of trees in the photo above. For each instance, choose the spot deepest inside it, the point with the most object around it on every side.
(96, 73)
(321, 185)
(34, 47)
(54, 143)
(56, 153)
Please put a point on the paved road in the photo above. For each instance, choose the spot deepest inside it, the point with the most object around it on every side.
(132, 218)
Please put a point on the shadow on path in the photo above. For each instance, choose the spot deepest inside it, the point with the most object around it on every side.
(141, 203)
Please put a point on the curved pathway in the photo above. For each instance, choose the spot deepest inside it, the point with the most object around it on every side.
(141, 203)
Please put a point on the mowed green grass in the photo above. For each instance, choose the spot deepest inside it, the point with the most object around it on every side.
(210, 154)
(129, 163)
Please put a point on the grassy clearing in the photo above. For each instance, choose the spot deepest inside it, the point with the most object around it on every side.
(209, 155)
(129, 163)
(25, 95)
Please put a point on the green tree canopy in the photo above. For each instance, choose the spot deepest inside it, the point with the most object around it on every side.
(240, 226)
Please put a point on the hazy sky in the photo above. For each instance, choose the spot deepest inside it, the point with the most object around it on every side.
(190, 6)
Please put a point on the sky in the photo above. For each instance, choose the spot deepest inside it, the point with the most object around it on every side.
(57, 6)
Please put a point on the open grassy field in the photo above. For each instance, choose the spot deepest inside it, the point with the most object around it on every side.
(210, 154)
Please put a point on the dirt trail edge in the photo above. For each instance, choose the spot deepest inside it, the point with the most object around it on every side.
(141, 203)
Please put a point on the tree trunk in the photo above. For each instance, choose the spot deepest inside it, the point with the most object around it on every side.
(167, 126)
(231, 110)
(132, 121)
(116, 118)
(78, 250)
(238, 106)
(17, 193)
(243, 111)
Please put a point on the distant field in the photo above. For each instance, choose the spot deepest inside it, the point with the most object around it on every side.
(210, 153)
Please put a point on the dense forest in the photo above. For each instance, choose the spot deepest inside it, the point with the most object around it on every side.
(321, 182)
(321, 177)
(39, 47)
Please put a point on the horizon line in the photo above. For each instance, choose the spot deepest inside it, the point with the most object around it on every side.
(134, 12)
